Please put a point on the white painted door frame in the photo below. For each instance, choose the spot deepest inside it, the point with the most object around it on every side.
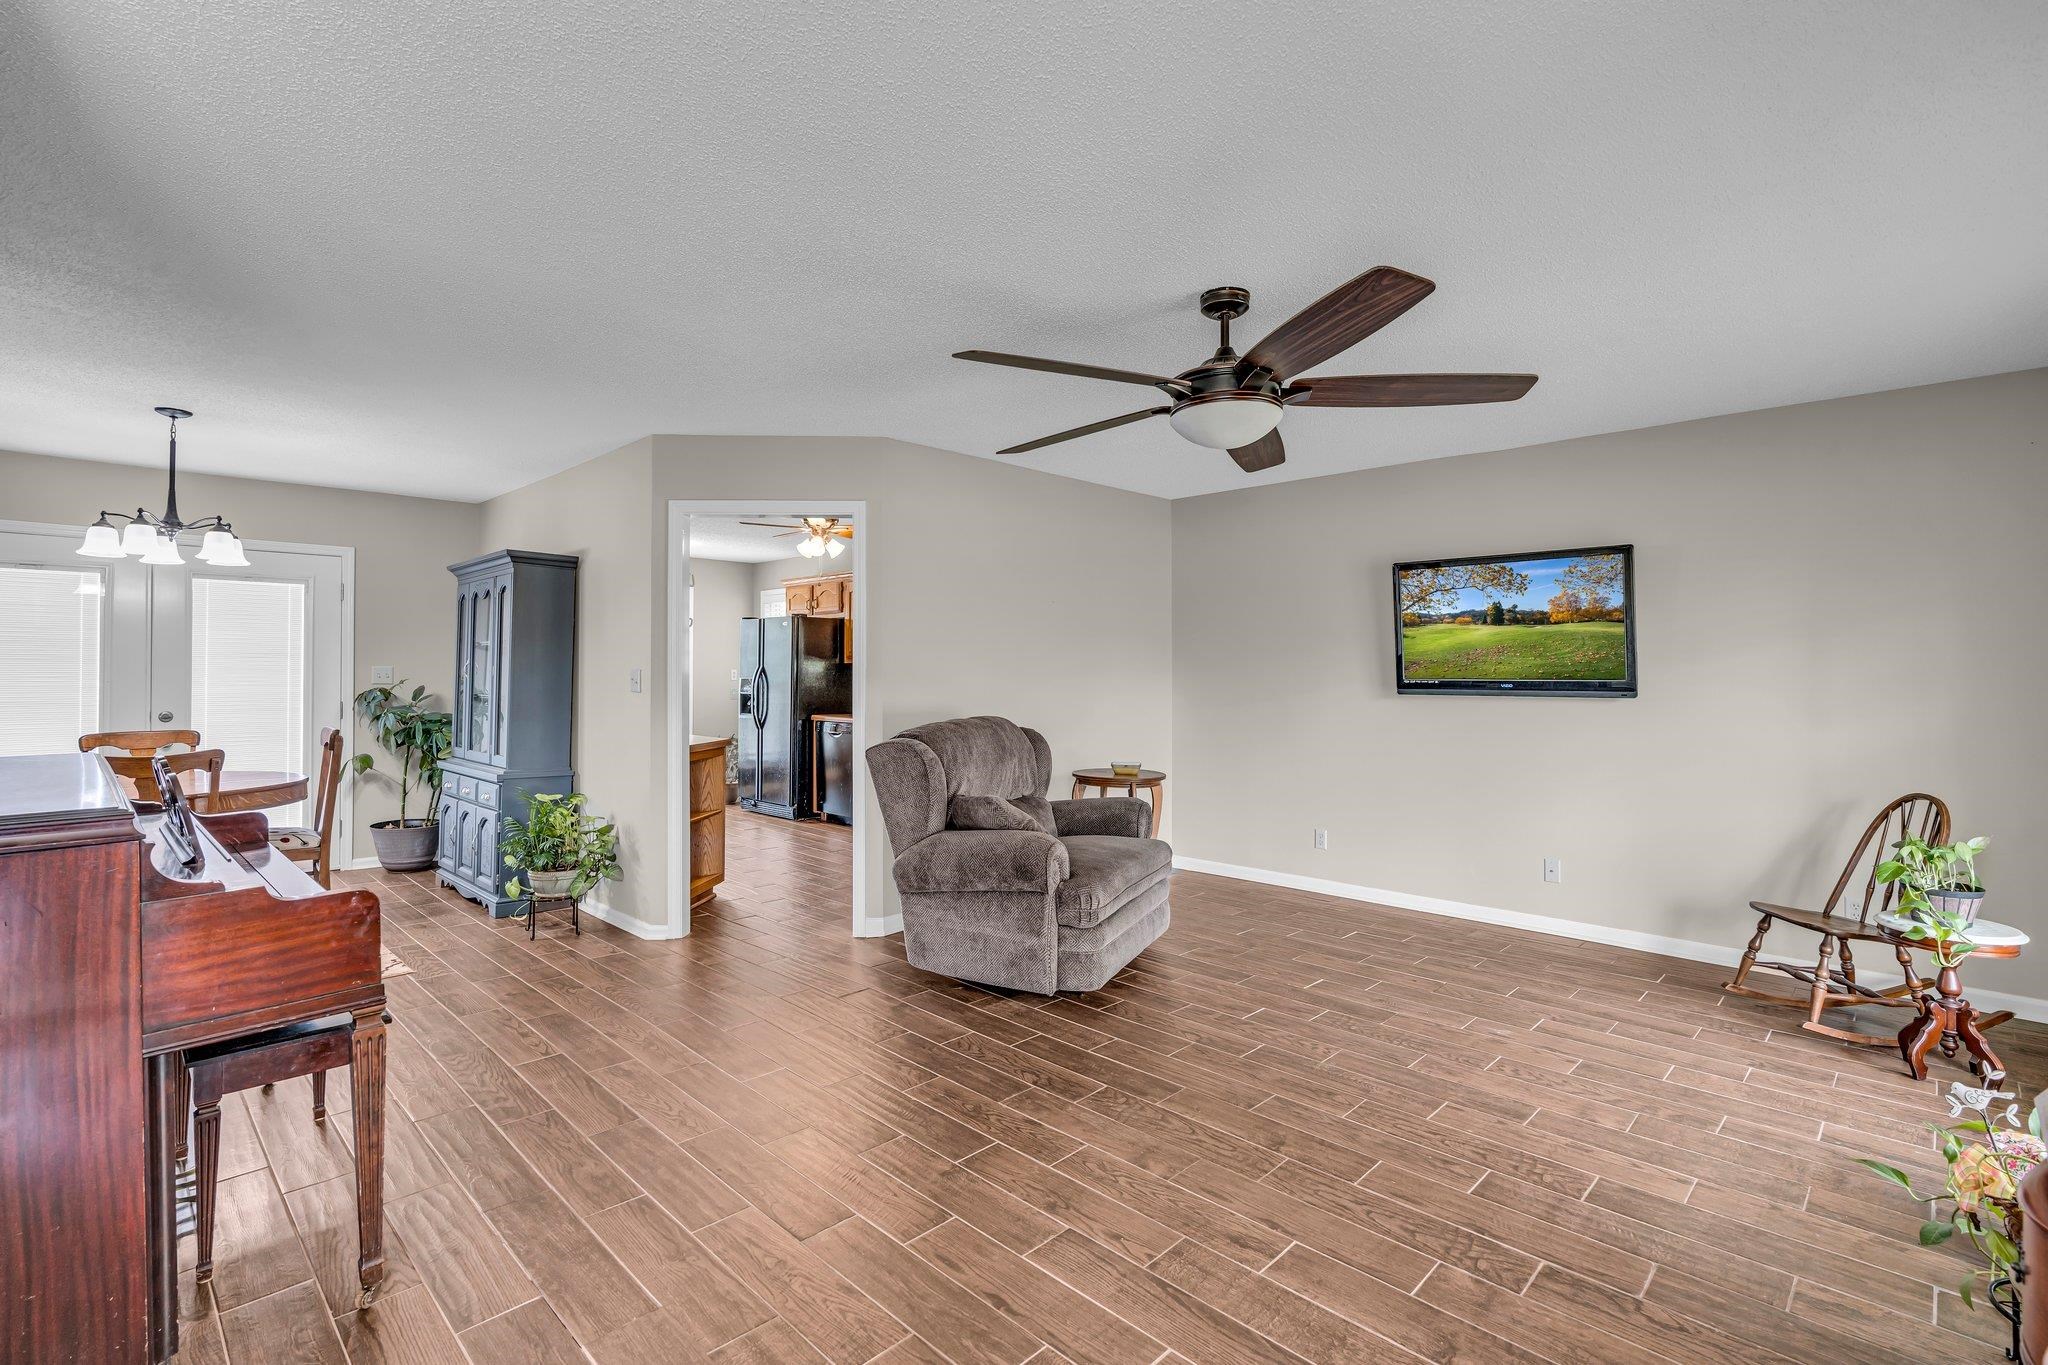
(346, 554)
(680, 510)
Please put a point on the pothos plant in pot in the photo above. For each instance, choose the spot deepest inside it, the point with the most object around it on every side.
(557, 850)
(1936, 881)
(418, 737)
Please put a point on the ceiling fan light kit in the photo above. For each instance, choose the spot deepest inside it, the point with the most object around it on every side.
(1234, 403)
(1225, 421)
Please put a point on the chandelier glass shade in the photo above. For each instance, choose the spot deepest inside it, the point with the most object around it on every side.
(153, 536)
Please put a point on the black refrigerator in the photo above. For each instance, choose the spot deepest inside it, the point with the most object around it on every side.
(790, 668)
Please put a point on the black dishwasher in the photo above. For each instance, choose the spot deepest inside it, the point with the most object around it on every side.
(835, 780)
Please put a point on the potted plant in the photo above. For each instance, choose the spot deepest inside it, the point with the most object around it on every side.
(557, 850)
(419, 738)
(1980, 1196)
(1936, 877)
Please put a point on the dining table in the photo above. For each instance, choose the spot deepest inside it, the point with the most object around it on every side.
(237, 789)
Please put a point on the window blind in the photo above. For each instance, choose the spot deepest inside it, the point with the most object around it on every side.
(249, 675)
(50, 640)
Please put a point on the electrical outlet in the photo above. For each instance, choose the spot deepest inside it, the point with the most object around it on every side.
(1322, 839)
(633, 681)
(1553, 871)
(380, 675)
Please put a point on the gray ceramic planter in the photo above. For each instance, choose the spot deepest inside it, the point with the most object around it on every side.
(549, 883)
(410, 846)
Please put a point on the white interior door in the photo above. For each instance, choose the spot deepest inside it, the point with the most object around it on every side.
(251, 659)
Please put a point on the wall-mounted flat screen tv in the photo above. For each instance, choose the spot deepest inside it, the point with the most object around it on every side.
(1557, 623)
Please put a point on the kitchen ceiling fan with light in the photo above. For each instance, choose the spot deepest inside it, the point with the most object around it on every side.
(822, 536)
(1234, 403)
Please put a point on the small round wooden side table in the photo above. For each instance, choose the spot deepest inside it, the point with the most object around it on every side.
(1946, 1016)
(1103, 781)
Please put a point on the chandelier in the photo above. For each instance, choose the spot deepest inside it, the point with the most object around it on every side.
(155, 538)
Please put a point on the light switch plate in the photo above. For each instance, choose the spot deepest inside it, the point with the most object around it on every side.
(380, 675)
(633, 681)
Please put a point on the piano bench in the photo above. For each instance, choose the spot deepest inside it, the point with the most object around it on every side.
(218, 1070)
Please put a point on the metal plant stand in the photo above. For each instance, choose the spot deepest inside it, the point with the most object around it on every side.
(536, 904)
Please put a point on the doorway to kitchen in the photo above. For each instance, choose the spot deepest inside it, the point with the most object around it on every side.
(767, 666)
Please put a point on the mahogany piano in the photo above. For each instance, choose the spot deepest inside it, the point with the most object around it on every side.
(117, 956)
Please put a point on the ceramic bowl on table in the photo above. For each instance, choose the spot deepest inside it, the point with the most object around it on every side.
(1126, 769)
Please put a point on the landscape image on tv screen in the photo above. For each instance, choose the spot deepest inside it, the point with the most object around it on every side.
(1557, 621)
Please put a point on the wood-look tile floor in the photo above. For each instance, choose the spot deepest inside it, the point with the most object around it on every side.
(1296, 1129)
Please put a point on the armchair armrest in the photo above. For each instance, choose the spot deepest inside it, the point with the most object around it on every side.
(1125, 815)
(982, 860)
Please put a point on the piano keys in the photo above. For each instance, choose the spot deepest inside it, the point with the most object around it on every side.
(116, 960)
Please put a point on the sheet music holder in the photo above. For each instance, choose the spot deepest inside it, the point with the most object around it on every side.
(180, 836)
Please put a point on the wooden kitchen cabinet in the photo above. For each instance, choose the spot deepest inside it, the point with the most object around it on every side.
(825, 595)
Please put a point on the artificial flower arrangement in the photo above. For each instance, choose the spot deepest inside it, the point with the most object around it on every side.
(1982, 1188)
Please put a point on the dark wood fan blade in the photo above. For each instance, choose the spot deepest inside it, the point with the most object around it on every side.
(1263, 453)
(1339, 320)
(1408, 390)
(1088, 430)
(1027, 362)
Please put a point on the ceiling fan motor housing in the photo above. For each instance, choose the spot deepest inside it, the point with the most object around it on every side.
(1220, 403)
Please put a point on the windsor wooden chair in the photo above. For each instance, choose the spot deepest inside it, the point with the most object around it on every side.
(1847, 917)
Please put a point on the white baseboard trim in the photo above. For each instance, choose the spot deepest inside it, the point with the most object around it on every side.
(618, 919)
(2023, 1006)
(880, 928)
(361, 864)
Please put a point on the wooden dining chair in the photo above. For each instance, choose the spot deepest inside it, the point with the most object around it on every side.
(1846, 917)
(138, 743)
(314, 843)
(139, 771)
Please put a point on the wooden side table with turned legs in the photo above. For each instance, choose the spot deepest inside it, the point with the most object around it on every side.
(1104, 781)
(1946, 1015)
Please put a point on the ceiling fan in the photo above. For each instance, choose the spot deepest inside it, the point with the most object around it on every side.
(822, 535)
(1232, 402)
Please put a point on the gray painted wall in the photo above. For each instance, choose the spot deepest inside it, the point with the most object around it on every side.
(1839, 602)
(723, 594)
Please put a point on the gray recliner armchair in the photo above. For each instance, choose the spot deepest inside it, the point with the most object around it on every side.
(1002, 886)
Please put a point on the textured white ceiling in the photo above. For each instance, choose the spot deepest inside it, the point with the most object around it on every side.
(735, 541)
(449, 248)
